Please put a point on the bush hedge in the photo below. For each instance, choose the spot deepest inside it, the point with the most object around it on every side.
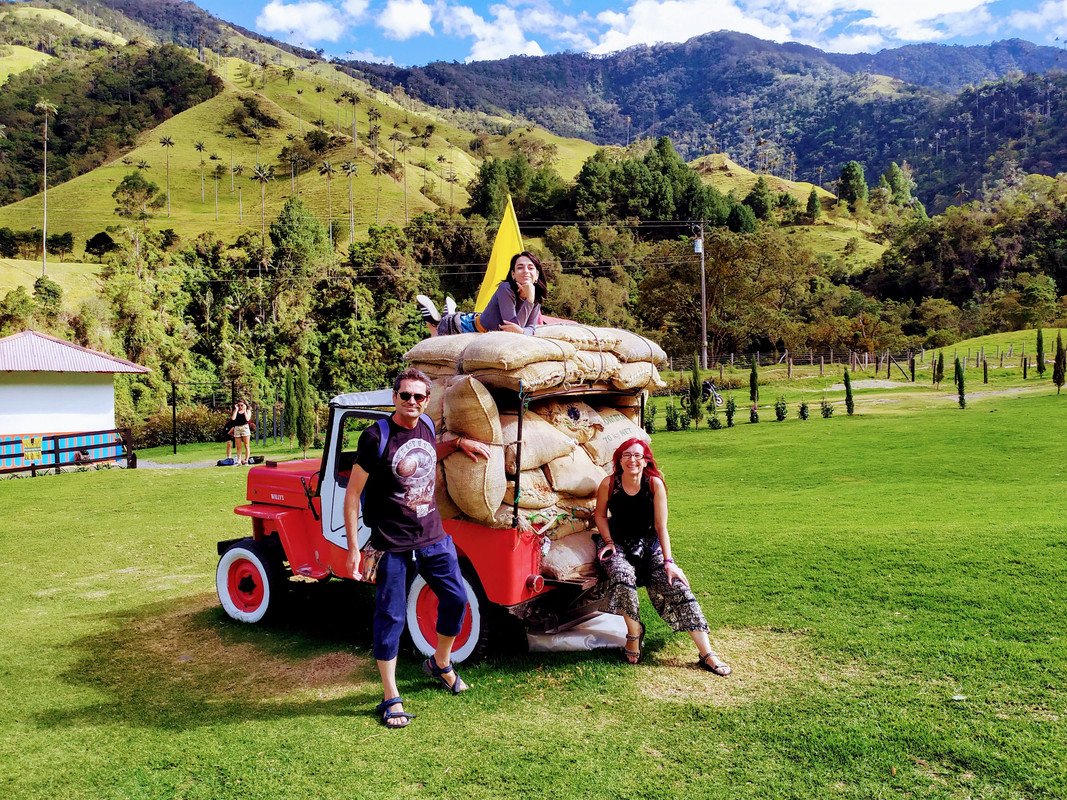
(193, 424)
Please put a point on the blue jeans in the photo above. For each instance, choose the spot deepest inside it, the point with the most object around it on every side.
(439, 566)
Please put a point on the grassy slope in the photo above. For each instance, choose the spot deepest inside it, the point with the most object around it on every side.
(829, 234)
(20, 60)
(85, 206)
(66, 20)
(893, 624)
(78, 280)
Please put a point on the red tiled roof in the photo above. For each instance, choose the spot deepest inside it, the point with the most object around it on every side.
(30, 351)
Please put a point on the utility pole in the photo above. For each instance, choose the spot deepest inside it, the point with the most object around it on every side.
(698, 247)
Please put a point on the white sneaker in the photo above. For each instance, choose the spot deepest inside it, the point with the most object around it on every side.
(450, 305)
(428, 309)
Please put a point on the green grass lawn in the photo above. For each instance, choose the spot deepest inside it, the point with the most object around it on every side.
(889, 588)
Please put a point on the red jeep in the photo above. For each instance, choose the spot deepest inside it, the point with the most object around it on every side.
(297, 511)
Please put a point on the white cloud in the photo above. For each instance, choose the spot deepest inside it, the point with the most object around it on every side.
(306, 21)
(355, 9)
(500, 37)
(650, 21)
(837, 25)
(1048, 18)
(368, 56)
(402, 19)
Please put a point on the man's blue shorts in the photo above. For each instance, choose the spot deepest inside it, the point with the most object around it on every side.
(439, 566)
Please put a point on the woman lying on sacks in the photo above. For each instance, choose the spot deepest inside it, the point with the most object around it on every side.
(635, 550)
(514, 307)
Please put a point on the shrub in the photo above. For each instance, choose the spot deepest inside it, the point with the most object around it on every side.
(731, 409)
(691, 396)
(1040, 352)
(753, 383)
(671, 415)
(683, 420)
(779, 408)
(850, 404)
(650, 418)
(753, 415)
(192, 424)
(826, 409)
(802, 412)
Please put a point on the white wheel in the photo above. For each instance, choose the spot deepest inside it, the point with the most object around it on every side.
(245, 582)
(422, 620)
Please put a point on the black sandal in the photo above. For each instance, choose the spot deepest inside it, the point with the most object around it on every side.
(722, 669)
(429, 666)
(383, 709)
(635, 654)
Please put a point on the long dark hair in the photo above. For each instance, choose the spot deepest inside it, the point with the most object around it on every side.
(650, 471)
(540, 287)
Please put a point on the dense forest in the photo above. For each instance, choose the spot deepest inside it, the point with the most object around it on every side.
(108, 98)
(787, 109)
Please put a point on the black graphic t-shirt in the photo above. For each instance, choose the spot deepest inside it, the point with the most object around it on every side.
(398, 503)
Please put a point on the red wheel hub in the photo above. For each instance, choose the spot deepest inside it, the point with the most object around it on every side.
(426, 614)
(245, 585)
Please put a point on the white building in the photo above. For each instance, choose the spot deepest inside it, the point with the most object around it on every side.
(49, 386)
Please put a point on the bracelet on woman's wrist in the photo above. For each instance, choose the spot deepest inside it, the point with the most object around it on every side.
(668, 561)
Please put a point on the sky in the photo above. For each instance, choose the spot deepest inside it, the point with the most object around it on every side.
(416, 32)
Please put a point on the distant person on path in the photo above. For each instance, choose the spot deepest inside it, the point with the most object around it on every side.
(406, 529)
(514, 307)
(631, 517)
(242, 430)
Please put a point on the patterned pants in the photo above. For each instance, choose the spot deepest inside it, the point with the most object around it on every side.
(674, 603)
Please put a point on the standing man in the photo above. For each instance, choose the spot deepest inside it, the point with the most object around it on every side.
(406, 529)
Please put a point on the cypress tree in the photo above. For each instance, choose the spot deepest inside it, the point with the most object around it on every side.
(939, 369)
(290, 413)
(305, 415)
(850, 404)
(753, 383)
(959, 384)
(1059, 367)
(1040, 352)
(814, 206)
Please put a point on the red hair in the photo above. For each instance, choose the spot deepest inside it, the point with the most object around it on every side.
(650, 471)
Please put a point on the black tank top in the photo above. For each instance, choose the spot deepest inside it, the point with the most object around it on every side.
(632, 517)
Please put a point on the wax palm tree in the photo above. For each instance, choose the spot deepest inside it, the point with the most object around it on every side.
(256, 126)
(288, 73)
(167, 143)
(231, 135)
(47, 108)
(200, 149)
(377, 170)
(353, 98)
(329, 170)
(319, 89)
(338, 101)
(291, 138)
(263, 174)
(219, 171)
(403, 147)
(351, 169)
(142, 165)
(238, 170)
(299, 112)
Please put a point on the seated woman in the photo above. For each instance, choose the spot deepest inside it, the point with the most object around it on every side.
(631, 517)
(514, 307)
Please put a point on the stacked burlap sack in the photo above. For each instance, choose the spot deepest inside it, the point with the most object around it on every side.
(567, 444)
(558, 356)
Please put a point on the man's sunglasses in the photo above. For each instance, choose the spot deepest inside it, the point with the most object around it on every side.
(419, 398)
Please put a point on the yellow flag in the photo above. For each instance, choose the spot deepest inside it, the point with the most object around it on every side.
(508, 244)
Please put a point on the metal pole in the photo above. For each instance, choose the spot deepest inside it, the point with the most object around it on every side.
(703, 305)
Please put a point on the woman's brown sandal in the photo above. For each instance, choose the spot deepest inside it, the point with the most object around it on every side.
(722, 669)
